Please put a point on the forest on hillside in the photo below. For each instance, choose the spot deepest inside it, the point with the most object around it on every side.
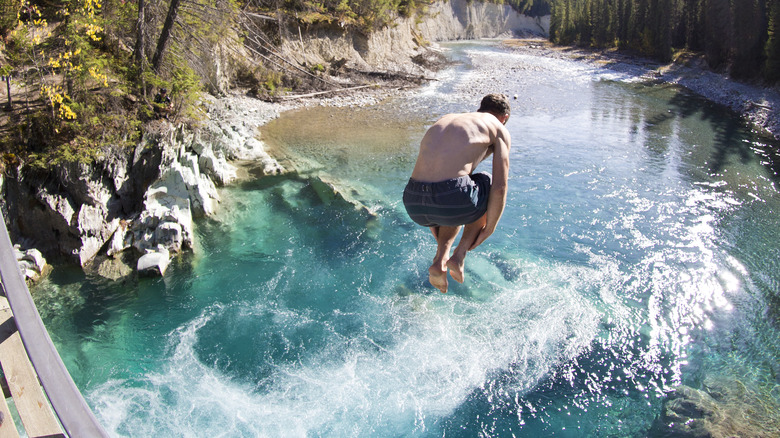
(740, 37)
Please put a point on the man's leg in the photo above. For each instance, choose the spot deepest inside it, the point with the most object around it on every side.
(457, 262)
(445, 237)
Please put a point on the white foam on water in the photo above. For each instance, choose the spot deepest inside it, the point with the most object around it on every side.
(440, 350)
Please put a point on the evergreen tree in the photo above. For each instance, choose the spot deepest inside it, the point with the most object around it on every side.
(623, 20)
(772, 51)
(584, 24)
(599, 21)
(561, 26)
(662, 19)
(692, 18)
(717, 32)
(638, 33)
(555, 22)
(749, 39)
(139, 52)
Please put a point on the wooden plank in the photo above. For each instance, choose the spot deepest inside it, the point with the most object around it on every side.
(77, 418)
(31, 402)
(7, 425)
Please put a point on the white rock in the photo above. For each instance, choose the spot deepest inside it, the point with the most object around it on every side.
(31, 263)
(252, 149)
(216, 167)
(35, 258)
(25, 265)
(90, 246)
(30, 274)
(154, 262)
(204, 197)
(120, 240)
(271, 166)
(18, 253)
(59, 204)
(167, 201)
(90, 218)
(169, 235)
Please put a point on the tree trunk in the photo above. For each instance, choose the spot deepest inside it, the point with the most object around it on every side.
(772, 47)
(140, 35)
(165, 35)
(8, 88)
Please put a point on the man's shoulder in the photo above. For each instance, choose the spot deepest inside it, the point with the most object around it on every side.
(467, 118)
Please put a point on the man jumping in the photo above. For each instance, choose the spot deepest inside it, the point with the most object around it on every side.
(444, 193)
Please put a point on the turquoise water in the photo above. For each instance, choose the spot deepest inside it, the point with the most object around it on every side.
(638, 252)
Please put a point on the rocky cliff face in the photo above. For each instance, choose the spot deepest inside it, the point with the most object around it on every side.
(395, 47)
(136, 207)
(72, 209)
(462, 19)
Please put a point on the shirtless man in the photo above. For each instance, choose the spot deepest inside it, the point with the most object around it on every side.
(444, 193)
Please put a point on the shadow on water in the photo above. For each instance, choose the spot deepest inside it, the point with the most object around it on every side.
(708, 126)
(733, 139)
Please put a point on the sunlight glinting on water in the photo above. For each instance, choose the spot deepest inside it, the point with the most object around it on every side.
(682, 281)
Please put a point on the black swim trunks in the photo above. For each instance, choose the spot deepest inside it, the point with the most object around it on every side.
(457, 201)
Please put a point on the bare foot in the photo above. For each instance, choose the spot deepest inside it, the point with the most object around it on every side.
(456, 269)
(438, 278)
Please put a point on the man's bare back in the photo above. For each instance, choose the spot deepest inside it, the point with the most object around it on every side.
(443, 186)
(455, 145)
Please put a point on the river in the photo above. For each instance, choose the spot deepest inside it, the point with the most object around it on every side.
(638, 252)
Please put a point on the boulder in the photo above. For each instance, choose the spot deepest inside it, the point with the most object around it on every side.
(253, 149)
(113, 268)
(169, 235)
(31, 263)
(68, 210)
(35, 258)
(154, 262)
(94, 230)
(216, 167)
(204, 196)
(721, 408)
(121, 240)
(166, 209)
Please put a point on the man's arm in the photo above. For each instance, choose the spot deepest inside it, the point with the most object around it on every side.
(498, 189)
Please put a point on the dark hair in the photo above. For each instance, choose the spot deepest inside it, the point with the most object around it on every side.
(495, 103)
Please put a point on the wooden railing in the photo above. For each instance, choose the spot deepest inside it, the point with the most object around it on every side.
(23, 336)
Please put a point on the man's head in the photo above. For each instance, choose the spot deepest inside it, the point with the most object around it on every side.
(496, 104)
